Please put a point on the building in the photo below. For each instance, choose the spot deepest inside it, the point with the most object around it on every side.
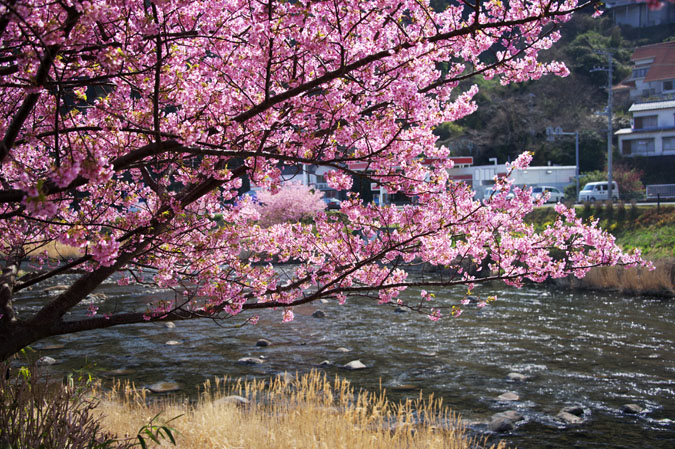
(653, 73)
(652, 132)
(481, 177)
(637, 14)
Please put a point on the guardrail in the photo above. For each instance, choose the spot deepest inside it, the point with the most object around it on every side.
(658, 191)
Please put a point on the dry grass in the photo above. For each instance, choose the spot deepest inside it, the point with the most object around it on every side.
(305, 412)
(660, 281)
(55, 250)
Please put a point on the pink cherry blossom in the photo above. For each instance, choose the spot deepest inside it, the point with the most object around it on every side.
(130, 131)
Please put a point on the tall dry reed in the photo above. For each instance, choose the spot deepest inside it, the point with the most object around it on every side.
(307, 411)
(660, 281)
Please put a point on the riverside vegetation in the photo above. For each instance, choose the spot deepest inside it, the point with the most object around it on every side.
(281, 412)
(649, 229)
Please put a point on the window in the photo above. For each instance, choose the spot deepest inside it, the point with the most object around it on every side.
(668, 144)
(669, 85)
(650, 121)
(640, 72)
(638, 146)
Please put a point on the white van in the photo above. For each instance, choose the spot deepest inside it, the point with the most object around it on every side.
(597, 191)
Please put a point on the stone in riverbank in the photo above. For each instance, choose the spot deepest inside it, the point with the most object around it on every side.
(354, 365)
(263, 342)
(342, 349)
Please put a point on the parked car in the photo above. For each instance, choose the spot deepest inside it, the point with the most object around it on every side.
(489, 192)
(555, 195)
(332, 203)
(598, 191)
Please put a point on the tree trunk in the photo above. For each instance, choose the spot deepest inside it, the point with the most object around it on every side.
(16, 336)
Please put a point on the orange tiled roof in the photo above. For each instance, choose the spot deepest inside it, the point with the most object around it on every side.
(663, 67)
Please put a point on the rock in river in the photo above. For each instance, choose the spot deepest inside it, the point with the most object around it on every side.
(517, 377)
(319, 314)
(631, 409)
(569, 418)
(513, 415)
(501, 425)
(46, 361)
(355, 364)
(164, 387)
(342, 349)
(263, 342)
(508, 396)
(250, 360)
(573, 409)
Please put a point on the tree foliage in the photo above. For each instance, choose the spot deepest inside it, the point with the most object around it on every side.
(127, 125)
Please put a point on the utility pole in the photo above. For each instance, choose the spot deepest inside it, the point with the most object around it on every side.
(552, 132)
(610, 131)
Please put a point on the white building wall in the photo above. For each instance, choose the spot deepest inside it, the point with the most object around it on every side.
(482, 176)
(662, 135)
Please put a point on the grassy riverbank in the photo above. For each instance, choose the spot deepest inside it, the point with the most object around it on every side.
(288, 412)
(647, 228)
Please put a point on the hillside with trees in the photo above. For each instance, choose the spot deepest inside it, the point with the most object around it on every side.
(514, 118)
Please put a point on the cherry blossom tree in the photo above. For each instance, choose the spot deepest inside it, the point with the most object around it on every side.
(127, 125)
(293, 202)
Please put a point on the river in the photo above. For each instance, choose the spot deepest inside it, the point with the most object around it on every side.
(594, 349)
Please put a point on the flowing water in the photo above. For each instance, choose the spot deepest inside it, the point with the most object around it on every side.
(594, 349)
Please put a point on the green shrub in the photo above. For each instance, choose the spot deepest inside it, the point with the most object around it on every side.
(38, 414)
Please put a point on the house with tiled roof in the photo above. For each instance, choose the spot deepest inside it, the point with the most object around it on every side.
(653, 73)
(652, 88)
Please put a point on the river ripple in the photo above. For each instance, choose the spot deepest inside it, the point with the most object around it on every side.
(599, 350)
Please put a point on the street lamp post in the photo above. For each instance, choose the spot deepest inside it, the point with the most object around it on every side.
(557, 131)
